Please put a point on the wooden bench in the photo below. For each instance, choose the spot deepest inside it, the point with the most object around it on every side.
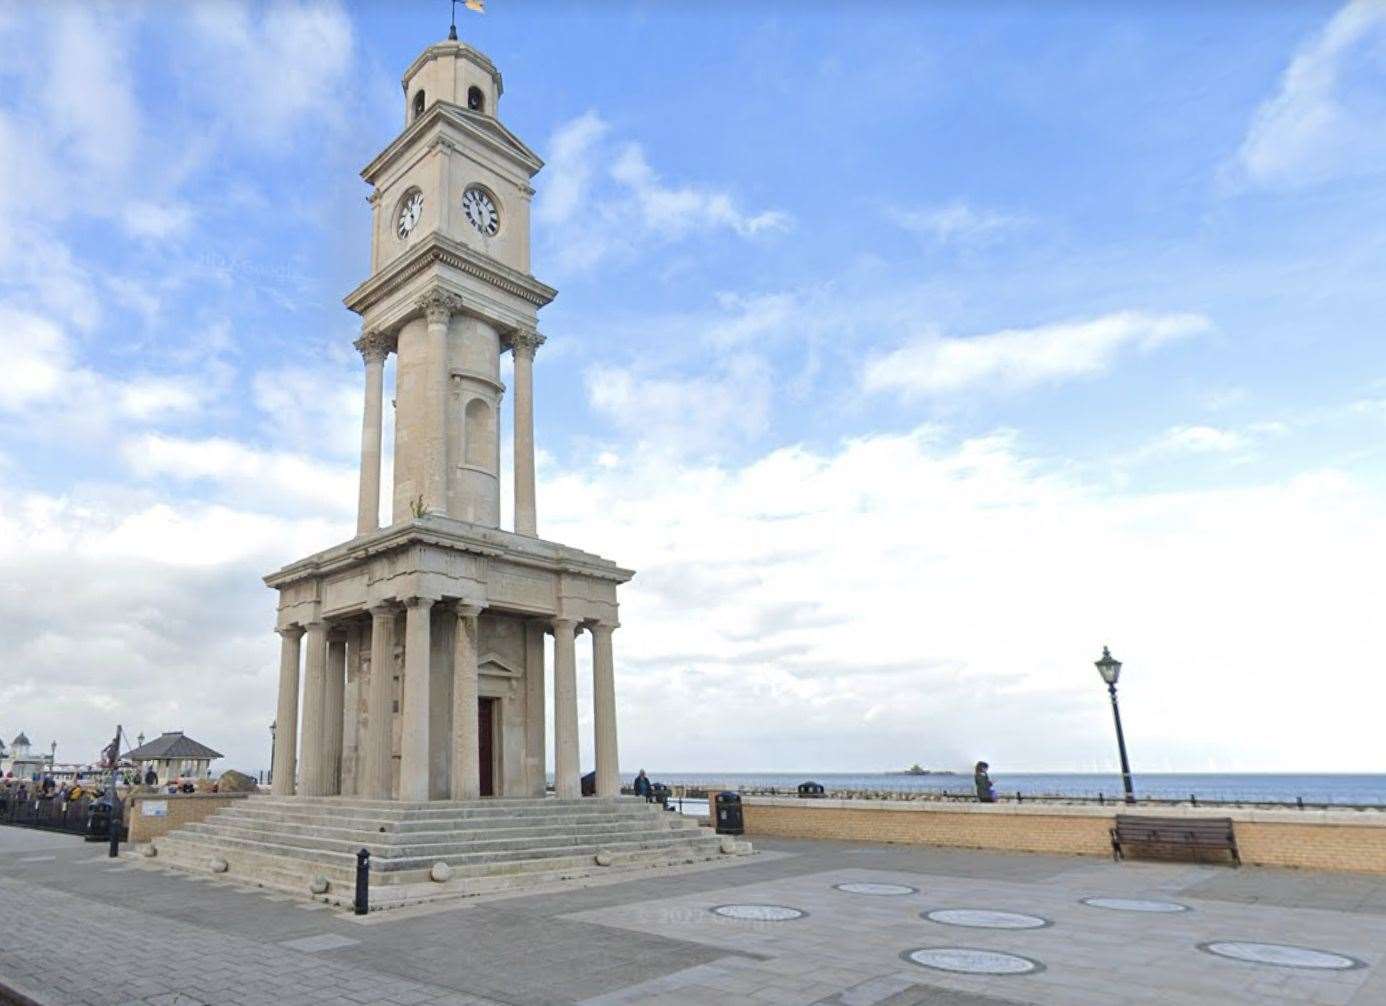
(1196, 833)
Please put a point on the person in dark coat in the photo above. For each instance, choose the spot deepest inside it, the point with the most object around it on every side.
(986, 793)
(642, 786)
(151, 778)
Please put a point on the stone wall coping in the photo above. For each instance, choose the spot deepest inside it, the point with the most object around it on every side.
(1257, 815)
(137, 797)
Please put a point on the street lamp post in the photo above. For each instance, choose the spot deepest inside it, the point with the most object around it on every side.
(1110, 669)
(269, 776)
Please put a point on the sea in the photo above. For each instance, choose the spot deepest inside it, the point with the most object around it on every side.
(1232, 787)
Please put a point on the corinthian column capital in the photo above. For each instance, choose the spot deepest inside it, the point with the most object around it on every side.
(374, 345)
(525, 342)
(438, 305)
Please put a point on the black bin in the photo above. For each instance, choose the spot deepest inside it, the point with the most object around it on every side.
(660, 793)
(731, 820)
(810, 790)
(99, 821)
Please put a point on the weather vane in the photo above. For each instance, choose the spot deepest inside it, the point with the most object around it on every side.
(473, 5)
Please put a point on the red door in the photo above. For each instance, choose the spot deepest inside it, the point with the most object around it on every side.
(486, 720)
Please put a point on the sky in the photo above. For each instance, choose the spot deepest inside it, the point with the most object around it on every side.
(909, 353)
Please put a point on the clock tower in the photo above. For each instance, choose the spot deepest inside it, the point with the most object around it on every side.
(421, 641)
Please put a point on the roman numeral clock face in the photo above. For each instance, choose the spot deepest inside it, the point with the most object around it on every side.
(481, 211)
(409, 212)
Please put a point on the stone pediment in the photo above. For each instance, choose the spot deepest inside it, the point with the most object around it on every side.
(494, 663)
(443, 116)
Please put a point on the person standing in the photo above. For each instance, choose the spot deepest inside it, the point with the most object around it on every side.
(986, 793)
(642, 786)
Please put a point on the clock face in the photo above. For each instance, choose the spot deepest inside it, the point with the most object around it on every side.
(481, 211)
(409, 212)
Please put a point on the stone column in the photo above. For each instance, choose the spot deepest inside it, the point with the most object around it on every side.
(312, 775)
(534, 708)
(414, 733)
(334, 697)
(466, 763)
(523, 345)
(378, 763)
(286, 718)
(351, 708)
(567, 775)
(374, 349)
(604, 711)
(438, 307)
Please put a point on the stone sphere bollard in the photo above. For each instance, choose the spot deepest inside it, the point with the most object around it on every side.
(218, 865)
(318, 885)
(728, 845)
(441, 873)
(148, 851)
(603, 858)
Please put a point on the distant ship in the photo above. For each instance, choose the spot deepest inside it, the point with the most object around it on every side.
(917, 769)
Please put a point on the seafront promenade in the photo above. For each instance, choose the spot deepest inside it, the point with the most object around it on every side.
(799, 922)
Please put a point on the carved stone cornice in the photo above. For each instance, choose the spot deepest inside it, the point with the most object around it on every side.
(438, 305)
(375, 345)
(443, 143)
(525, 342)
(437, 249)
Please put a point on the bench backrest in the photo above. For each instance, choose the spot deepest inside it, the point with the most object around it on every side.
(1175, 827)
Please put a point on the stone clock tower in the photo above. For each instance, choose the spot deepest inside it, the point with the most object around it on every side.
(421, 644)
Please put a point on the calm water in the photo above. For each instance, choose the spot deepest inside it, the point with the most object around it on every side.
(1245, 787)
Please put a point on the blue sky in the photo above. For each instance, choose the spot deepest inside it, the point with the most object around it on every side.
(909, 353)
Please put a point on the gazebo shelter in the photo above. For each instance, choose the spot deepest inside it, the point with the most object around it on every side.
(174, 756)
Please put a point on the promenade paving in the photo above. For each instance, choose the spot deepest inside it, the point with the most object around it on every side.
(84, 930)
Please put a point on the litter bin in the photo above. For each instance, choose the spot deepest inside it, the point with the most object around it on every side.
(810, 789)
(660, 793)
(99, 821)
(730, 818)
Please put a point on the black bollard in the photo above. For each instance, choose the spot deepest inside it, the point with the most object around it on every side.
(1299, 801)
(363, 882)
(116, 815)
(1100, 801)
(1193, 799)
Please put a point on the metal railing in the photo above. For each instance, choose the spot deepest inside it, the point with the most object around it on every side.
(48, 813)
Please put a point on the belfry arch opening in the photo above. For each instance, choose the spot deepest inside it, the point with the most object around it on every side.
(418, 103)
(476, 101)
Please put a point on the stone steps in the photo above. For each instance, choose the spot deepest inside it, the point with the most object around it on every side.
(488, 846)
(412, 857)
(414, 887)
(440, 845)
(404, 826)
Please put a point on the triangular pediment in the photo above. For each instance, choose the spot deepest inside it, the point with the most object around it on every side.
(493, 130)
(494, 663)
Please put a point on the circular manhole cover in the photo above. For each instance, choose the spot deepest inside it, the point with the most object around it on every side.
(1281, 956)
(759, 913)
(972, 961)
(1135, 905)
(878, 890)
(985, 918)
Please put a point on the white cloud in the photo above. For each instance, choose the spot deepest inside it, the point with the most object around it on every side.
(313, 410)
(904, 597)
(1328, 117)
(1198, 440)
(569, 168)
(279, 480)
(1019, 358)
(956, 223)
(673, 212)
(270, 69)
(36, 355)
(156, 220)
(589, 182)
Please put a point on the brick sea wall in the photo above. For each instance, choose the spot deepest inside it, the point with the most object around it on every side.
(1323, 840)
(182, 808)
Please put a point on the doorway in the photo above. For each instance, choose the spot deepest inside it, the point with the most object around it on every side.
(486, 720)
